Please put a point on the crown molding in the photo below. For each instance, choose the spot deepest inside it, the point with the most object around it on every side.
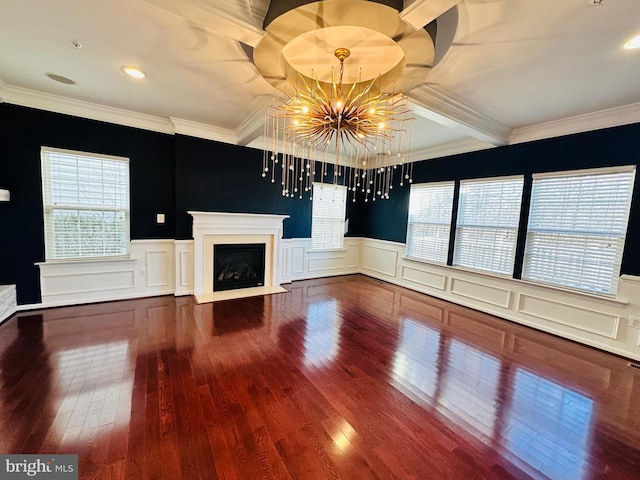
(612, 117)
(253, 125)
(443, 109)
(202, 130)
(80, 108)
(456, 147)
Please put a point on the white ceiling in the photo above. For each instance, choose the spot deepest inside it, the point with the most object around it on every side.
(516, 70)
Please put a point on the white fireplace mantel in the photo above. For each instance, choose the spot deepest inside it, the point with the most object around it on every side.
(211, 228)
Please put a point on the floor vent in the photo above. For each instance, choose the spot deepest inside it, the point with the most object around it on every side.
(635, 365)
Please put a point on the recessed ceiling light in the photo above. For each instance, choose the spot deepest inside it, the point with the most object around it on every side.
(60, 79)
(632, 43)
(134, 72)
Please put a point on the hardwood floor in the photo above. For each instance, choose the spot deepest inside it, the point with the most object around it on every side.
(344, 377)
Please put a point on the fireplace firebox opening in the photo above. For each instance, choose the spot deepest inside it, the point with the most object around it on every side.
(238, 266)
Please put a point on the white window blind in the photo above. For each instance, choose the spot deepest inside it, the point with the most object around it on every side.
(327, 216)
(577, 227)
(487, 224)
(429, 224)
(85, 203)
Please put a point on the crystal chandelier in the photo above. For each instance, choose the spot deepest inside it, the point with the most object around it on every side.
(356, 135)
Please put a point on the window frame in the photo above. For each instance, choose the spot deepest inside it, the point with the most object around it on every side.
(532, 232)
(511, 229)
(316, 218)
(429, 226)
(49, 205)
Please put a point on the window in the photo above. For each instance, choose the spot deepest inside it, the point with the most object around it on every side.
(577, 227)
(430, 207)
(327, 217)
(487, 229)
(85, 203)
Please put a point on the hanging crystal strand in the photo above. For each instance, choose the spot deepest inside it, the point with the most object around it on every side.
(285, 170)
(265, 152)
(285, 155)
(274, 147)
(294, 175)
(385, 184)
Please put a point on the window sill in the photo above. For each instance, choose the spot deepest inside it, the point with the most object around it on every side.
(609, 299)
(89, 260)
(325, 250)
(422, 260)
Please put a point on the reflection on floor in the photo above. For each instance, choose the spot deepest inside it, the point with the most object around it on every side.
(345, 377)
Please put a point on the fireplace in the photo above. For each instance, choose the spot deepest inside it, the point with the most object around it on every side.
(238, 266)
(221, 228)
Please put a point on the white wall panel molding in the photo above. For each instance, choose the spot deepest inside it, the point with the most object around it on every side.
(499, 297)
(377, 258)
(158, 270)
(149, 271)
(424, 278)
(586, 319)
(86, 281)
(8, 305)
(305, 263)
(297, 260)
(159, 267)
(326, 262)
(156, 265)
(183, 267)
(601, 322)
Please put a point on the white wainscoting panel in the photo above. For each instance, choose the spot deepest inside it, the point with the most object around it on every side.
(483, 293)
(323, 262)
(184, 267)
(601, 322)
(377, 258)
(285, 263)
(156, 266)
(149, 271)
(306, 263)
(570, 315)
(8, 305)
(158, 275)
(159, 267)
(297, 260)
(427, 279)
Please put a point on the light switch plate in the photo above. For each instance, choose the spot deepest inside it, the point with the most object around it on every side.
(160, 217)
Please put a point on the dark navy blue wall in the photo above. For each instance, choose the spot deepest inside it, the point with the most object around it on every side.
(387, 220)
(214, 176)
(173, 174)
(169, 174)
(24, 131)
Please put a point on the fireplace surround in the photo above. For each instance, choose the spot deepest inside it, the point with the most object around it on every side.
(214, 228)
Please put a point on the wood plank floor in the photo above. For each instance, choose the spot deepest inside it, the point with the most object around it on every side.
(344, 377)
